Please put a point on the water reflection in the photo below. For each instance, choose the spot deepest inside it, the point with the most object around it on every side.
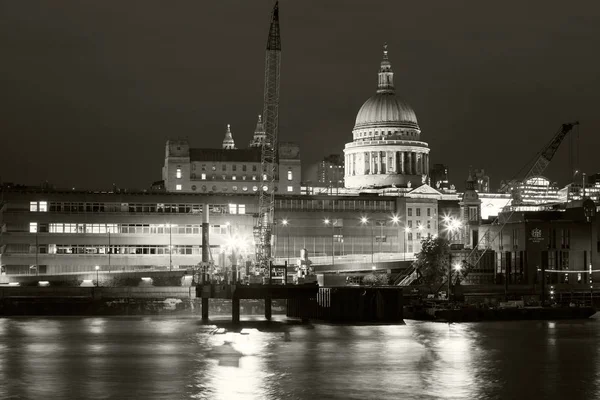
(168, 358)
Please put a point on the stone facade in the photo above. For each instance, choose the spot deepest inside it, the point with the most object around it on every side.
(386, 150)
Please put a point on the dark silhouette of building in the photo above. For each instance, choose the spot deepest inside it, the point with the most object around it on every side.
(482, 181)
(439, 176)
(330, 171)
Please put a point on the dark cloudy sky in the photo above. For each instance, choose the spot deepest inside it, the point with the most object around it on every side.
(91, 90)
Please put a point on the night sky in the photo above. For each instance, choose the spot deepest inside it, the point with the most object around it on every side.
(90, 91)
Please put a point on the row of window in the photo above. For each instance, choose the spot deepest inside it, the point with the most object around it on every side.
(335, 205)
(119, 249)
(38, 206)
(409, 212)
(167, 208)
(214, 188)
(419, 225)
(173, 229)
(224, 167)
(179, 175)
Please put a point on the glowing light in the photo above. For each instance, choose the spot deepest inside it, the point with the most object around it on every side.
(44, 283)
(457, 266)
(420, 227)
(97, 267)
(238, 243)
(284, 222)
(373, 267)
(395, 219)
(364, 220)
(326, 221)
(407, 229)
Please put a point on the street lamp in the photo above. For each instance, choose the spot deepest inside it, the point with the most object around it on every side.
(364, 221)
(326, 221)
(395, 220)
(97, 281)
(285, 222)
(452, 225)
(406, 231)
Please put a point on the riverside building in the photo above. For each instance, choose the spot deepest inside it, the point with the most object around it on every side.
(62, 232)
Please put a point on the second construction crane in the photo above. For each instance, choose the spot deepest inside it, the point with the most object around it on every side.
(269, 157)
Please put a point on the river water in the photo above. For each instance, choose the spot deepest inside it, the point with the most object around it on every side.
(179, 358)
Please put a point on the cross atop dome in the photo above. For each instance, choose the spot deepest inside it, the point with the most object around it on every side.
(228, 142)
(259, 134)
(386, 75)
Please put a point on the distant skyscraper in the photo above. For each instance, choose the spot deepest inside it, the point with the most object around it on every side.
(330, 171)
(482, 181)
(439, 176)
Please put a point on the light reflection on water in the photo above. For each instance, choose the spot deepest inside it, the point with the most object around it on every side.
(168, 358)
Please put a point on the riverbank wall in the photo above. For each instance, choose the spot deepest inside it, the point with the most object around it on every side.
(85, 301)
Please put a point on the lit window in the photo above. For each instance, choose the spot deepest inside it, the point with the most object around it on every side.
(177, 187)
(290, 188)
(33, 227)
(255, 188)
(203, 176)
(43, 206)
(253, 177)
(242, 209)
(265, 188)
(33, 206)
(178, 173)
(232, 209)
(289, 175)
(245, 188)
(264, 177)
(233, 178)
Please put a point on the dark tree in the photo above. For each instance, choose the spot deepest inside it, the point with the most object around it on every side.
(432, 261)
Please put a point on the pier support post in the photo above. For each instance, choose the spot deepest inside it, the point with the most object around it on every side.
(268, 308)
(235, 310)
(205, 309)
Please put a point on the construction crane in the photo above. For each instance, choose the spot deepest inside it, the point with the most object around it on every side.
(541, 163)
(269, 150)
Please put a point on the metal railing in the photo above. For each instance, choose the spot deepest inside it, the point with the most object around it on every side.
(350, 258)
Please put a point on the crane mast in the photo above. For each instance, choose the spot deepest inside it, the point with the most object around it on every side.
(269, 157)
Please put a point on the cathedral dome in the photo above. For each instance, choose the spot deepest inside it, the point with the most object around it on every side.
(386, 148)
(385, 110)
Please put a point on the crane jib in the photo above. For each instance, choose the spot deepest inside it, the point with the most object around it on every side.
(538, 168)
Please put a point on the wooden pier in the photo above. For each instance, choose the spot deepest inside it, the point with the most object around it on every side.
(238, 292)
(311, 302)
